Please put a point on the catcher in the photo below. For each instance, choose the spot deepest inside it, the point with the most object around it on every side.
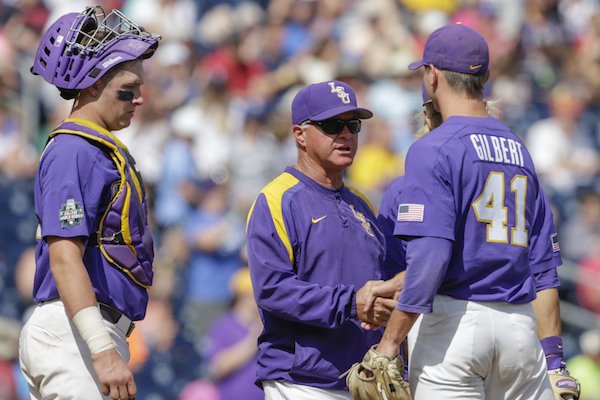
(94, 243)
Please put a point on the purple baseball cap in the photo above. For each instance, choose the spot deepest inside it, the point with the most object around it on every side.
(324, 100)
(455, 47)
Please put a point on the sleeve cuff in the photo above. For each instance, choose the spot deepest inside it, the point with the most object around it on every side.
(414, 309)
(353, 306)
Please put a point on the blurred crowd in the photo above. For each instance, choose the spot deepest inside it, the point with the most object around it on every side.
(215, 128)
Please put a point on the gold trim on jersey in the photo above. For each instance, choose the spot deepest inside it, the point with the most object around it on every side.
(273, 193)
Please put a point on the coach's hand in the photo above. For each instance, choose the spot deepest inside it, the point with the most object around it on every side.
(381, 309)
(388, 289)
(116, 380)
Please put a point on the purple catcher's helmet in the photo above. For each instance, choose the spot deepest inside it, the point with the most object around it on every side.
(78, 49)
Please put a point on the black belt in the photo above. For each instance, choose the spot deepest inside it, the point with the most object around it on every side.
(114, 316)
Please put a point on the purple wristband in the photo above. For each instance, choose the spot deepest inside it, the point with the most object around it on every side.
(553, 350)
(404, 358)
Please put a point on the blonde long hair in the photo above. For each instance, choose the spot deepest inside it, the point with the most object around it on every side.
(429, 118)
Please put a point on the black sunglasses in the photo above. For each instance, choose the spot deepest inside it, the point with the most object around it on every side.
(335, 126)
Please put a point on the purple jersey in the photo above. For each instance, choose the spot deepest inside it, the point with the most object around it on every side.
(72, 190)
(472, 181)
(395, 248)
(309, 249)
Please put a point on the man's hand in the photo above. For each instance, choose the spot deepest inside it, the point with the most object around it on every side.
(564, 385)
(388, 289)
(379, 312)
(115, 378)
(377, 377)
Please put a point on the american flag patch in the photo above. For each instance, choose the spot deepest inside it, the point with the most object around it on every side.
(555, 245)
(411, 212)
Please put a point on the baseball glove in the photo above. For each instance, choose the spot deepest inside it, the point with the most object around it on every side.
(564, 386)
(377, 377)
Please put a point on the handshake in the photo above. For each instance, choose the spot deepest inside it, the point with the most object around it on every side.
(378, 377)
(376, 300)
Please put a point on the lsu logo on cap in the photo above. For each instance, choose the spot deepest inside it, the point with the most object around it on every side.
(341, 92)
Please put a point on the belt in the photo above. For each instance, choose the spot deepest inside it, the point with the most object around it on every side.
(116, 317)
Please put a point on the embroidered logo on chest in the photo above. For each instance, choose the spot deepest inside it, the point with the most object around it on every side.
(316, 220)
(363, 221)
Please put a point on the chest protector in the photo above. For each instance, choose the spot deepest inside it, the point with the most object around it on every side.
(124, 236)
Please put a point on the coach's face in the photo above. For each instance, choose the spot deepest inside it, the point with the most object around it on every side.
(332, 151)
(121, 95)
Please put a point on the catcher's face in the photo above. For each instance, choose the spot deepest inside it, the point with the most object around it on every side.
(121, 95)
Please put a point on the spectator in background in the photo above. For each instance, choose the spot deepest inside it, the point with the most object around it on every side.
(377, 163)
(588, 56)
(588, 274)
(210, 119)
(175, 19)
(163, 359)
(10, 375)
(232, 343)
(252, 161)
(200, 389)
(580, 230)
(395, 98)
(561, 148)
(586, 366)
(214, 233)
(176, 190)
(150, 132)
(18, 158)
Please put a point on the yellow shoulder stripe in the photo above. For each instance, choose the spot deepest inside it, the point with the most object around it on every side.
(362, 196)
(97, 128)
(273, 193)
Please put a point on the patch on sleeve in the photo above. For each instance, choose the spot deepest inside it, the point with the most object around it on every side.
(71, 214)
(555, 244)
(411, 212)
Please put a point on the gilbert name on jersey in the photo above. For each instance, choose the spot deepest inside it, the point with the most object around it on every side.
(497, 149)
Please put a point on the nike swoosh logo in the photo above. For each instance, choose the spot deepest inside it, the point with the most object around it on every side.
(473, 67)
(315, 220)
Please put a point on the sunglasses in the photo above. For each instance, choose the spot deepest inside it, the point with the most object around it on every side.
(335, 126)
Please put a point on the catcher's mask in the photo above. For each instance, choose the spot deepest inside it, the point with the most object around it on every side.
(78, 49)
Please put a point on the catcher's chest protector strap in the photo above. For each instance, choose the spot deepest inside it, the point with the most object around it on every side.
(123, 236)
